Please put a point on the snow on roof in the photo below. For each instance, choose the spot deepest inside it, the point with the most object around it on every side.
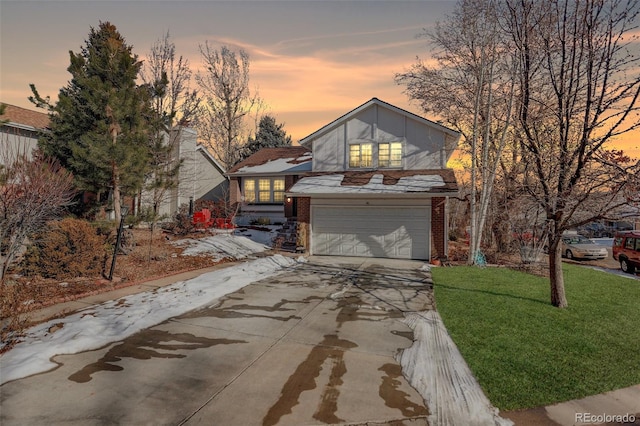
(280, 165)
(334, 184)
(294, 159)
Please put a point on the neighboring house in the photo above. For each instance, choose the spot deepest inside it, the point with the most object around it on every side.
(200, 176)
(20, 130)
(258, 183)
(377, 187)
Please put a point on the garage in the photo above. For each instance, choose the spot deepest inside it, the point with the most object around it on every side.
(371, 229)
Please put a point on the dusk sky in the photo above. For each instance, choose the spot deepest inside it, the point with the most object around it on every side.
(311, 61)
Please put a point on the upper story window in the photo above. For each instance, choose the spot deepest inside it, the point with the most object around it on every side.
(361, 155)
(390, 154)
(264, 190)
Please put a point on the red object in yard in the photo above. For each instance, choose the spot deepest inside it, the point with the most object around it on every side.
(202, 220)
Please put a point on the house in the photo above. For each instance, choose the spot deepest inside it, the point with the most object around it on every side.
(258, 184)
(377, 186)
(200, 176)
(20, 130)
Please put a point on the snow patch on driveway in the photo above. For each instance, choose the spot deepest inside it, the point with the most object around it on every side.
(436, 369)
(99, 325)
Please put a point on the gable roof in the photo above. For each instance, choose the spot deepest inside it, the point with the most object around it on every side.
(25, 118)
(441, 182)
(375, 101)
(274, 161)
(206, 154)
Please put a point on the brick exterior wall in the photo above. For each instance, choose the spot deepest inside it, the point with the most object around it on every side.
(234, 190)
(304, 222)
(439, 246)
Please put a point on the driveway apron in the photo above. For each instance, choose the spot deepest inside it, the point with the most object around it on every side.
(313, 345)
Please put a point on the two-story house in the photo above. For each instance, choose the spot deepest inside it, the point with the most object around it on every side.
(378, 185)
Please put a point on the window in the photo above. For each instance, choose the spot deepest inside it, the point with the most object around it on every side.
(390, 154)
(629, 243)
(249, 191)
(264, 190)
(361, 155)
(278, 190)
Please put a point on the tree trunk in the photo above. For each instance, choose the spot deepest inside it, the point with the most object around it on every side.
(556, 278)
(116, 194)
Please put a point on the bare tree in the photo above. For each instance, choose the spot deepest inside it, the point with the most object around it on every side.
(579, 87)
(228, 102)
(168, 78)
(31, 193)
(472, 89)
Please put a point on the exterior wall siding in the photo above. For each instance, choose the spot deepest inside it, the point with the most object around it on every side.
(423, 146)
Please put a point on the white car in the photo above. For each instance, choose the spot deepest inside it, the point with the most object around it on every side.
(579, 247)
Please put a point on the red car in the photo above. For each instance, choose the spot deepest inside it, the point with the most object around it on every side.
(626, 250)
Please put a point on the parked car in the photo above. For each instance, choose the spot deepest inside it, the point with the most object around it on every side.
(576, 246)
(626, 250)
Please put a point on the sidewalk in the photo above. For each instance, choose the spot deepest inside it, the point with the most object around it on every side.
(619, 407)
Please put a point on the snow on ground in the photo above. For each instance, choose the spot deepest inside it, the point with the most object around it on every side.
(436, 369)
(224, 245)
(96, 326)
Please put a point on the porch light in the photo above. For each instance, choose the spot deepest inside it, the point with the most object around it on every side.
(288, 199)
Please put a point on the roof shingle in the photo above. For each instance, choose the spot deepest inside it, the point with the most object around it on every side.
(26, 117)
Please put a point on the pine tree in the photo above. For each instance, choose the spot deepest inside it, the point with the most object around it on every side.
(99, 124)
(269, 135)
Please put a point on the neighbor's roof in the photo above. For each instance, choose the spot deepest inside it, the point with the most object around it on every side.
(205, 152)
(269, 161)
(375, 101)
(25, 118)
(378, 182)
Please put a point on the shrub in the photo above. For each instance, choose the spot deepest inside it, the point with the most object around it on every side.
(68, 248)
(13, 322)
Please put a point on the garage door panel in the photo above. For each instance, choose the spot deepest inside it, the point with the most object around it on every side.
(372, 231)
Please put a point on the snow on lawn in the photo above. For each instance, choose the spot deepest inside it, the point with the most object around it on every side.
(436, 369)
(220, 246)
(112, 321)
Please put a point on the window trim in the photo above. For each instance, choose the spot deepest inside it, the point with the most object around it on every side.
(257, 192)
(390, 162)
(360, 157)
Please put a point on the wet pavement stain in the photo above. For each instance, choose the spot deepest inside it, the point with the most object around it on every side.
(350, 309)
(233, 311)
(136, 347)
(394, 397)
(303, 379)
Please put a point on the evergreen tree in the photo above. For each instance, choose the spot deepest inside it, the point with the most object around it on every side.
(99, 124)
(269, 135)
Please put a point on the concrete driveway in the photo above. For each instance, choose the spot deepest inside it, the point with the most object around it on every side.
(312, 346)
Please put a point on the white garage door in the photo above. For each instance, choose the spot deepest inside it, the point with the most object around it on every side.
(371, 231)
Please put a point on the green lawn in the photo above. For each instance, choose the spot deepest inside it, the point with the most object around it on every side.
(526, 353)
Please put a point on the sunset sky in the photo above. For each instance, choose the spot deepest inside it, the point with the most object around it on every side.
(311, 61)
